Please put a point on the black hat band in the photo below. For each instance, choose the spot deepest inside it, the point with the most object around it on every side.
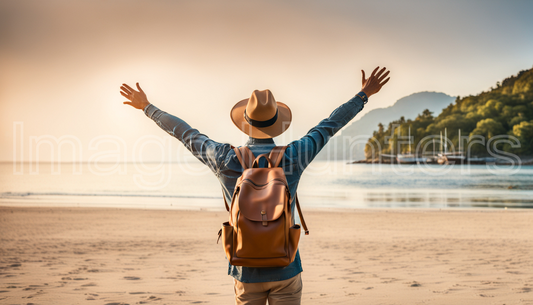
(256, 123)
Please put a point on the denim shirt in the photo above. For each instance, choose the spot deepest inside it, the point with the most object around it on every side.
(221, 159)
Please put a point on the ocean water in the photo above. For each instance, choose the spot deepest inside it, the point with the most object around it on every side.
(325, 184)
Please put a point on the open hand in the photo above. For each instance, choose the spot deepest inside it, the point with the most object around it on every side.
(373, 84)
(137, 99)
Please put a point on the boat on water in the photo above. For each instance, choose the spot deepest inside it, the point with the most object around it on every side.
(461, 158)
(445, 157)
(388, 158)
(410, 159)
(451, 158)
(457, 157)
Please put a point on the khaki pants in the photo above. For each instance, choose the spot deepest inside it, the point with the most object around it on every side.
(287, 292)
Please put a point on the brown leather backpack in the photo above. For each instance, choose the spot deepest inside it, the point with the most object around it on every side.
(260, 232)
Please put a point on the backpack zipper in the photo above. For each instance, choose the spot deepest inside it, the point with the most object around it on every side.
(261, 185)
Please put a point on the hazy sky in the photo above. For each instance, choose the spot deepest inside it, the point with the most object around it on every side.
(62, 62)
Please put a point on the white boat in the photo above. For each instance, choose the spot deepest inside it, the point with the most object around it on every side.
(451, 158)
(446, 157)
(388, 158)
(409, 159)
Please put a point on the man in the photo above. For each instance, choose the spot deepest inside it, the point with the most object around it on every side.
(261, 118)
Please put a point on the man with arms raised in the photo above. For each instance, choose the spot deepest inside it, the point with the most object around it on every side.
(261, 118)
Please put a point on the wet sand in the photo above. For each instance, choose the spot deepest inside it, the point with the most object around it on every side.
(133, 256)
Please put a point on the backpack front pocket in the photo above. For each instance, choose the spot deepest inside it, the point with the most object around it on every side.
(255, 240)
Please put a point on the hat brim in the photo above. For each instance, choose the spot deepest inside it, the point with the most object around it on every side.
(282, 123)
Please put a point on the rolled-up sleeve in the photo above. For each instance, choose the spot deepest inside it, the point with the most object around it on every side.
(200, 145)
(305, 149)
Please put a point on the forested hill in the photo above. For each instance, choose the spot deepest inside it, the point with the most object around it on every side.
(349, 144)
(505, 110)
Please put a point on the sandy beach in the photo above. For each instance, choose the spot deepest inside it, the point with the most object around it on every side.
(132, 256)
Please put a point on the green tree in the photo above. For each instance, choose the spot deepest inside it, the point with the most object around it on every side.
(506, 109)
(488, 128)
(524, 133)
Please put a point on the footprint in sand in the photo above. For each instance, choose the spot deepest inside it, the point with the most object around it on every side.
(523, 290)
(132, 278)
(443, 292)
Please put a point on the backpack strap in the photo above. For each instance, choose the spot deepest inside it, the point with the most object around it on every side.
(246, 158)
(276, 154)
(256, 161)
(224, 197)
(245, 155)
(301, 215)
(225, 202)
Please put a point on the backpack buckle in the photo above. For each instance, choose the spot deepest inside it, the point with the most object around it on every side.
(264, 218)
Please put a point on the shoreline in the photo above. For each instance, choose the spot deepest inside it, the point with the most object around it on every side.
(370, 256)
(364, 161)
(524, 160)
(218, 209)
(510, 196)
(339, 210)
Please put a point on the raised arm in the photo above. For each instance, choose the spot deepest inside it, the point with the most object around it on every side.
(373, 84)
(137, 99)
(201, 146)
(306, 148)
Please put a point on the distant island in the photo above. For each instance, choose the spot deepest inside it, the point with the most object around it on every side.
(498, 122)
(349, 144)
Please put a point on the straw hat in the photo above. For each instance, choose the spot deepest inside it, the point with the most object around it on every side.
(260, 116)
